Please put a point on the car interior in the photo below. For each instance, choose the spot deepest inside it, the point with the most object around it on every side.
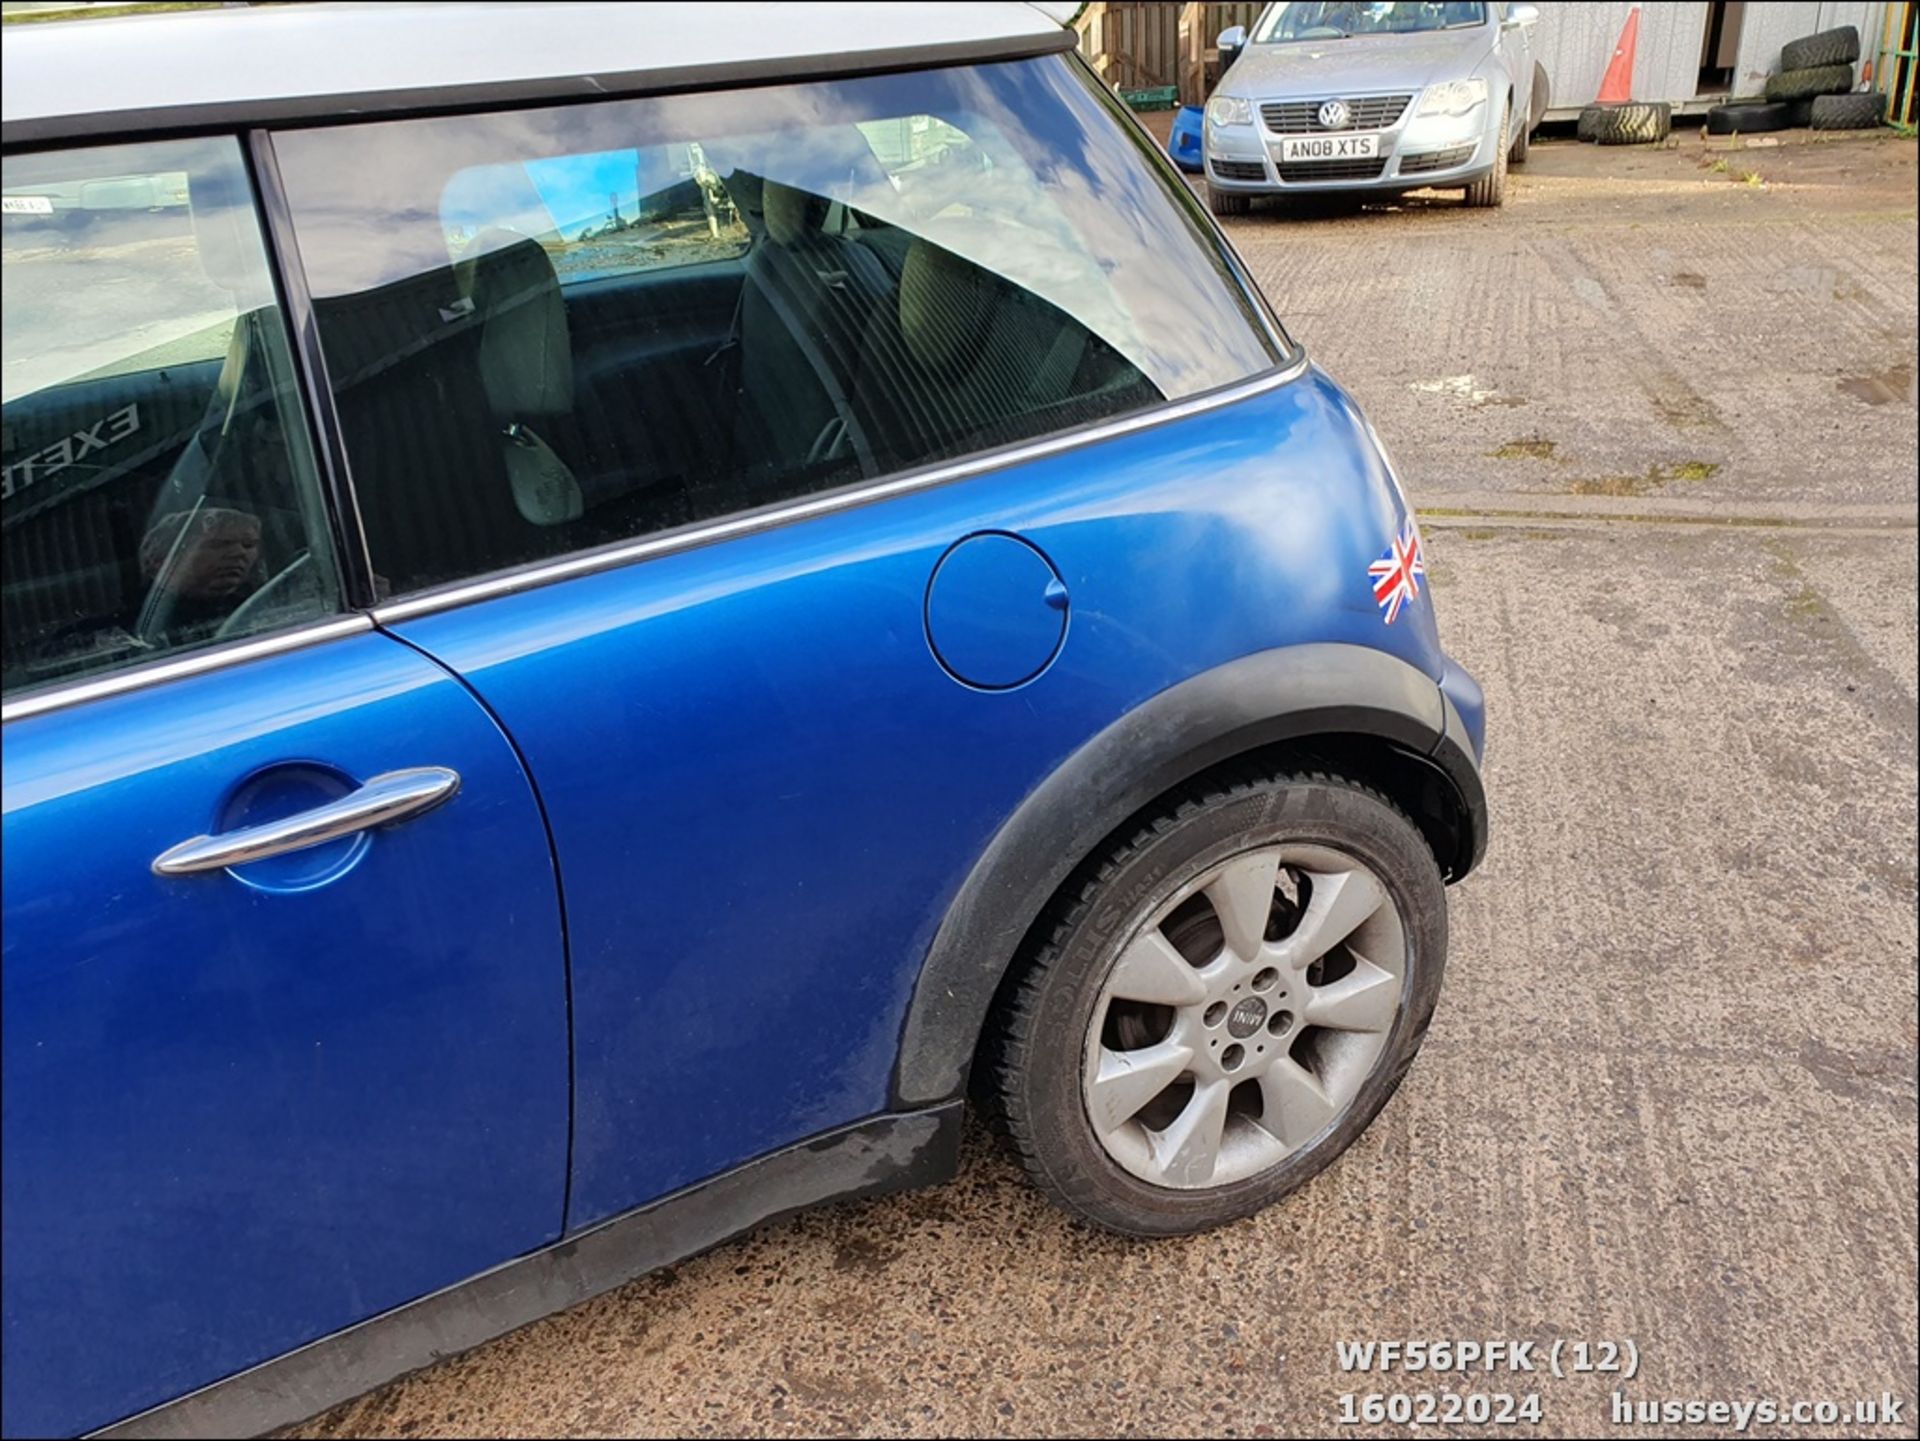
(107, 547)
(835, 348)
(533, 397)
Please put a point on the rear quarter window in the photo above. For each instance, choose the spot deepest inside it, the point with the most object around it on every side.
(610, 212)
(554, 329)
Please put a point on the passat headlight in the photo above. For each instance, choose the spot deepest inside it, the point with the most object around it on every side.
(1230, 110)
(1454, 97)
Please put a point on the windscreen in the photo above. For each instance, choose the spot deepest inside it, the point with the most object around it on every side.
(1344, 19)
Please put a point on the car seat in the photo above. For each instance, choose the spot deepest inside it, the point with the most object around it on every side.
(808, 297)
(965, 358)
(526, 366)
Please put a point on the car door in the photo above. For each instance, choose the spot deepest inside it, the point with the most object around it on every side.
(285, 1036)
(770, 748)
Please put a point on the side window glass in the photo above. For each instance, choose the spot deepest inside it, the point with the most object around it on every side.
(158, 493)
(911, 145)
(616, 212)
(554, 329)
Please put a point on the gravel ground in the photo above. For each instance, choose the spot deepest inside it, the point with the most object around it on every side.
(1633, 323)
(1661, 422)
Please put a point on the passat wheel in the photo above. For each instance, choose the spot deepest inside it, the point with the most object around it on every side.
(1228, 202)
(1491, 189)
(1222, 1006)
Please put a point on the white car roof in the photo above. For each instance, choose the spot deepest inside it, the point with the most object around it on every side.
(235, 65)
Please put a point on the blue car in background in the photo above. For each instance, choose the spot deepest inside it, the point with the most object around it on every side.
(1186, 140)
(604, 625)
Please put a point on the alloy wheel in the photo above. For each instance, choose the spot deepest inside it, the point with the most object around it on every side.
(1239, 1022)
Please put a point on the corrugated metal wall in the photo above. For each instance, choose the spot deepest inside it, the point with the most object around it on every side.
(1770, 25)
(1575, 42)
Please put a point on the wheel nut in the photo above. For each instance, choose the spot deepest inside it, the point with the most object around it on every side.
(1279, 1022)
(1216, 1013)
(1231, 1058)
(1265, 979)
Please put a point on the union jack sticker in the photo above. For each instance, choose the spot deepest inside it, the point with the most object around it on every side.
(1396, 575)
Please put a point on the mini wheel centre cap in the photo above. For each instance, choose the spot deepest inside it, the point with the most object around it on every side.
(1246, 1018)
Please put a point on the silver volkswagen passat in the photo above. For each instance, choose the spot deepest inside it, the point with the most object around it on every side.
(1339, 95)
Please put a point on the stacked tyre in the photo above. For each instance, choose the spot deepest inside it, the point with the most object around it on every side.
(1826, 47)
(1848, 112)
(1814, 66)
(1814, 80)
(1813, 87)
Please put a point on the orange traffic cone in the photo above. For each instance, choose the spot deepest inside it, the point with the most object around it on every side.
(1617, 86)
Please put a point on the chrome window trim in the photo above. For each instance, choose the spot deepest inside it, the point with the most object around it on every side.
(160, 671)
(622, 553)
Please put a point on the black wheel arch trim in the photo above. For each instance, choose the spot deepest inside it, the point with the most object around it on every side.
(1454, 757)
(1288, 694)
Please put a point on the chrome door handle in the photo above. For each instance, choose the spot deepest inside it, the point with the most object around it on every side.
(394, 796)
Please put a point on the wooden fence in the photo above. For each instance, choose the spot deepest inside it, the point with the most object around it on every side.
(1147, 45)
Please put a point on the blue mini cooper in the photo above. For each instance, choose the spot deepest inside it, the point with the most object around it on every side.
(603, 624)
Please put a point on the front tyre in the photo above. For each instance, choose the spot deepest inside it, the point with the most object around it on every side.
(1228, 202)
(1222, 1005)
(1491, 189)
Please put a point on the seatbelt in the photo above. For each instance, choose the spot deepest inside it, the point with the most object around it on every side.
(732, 342)
(822, 368)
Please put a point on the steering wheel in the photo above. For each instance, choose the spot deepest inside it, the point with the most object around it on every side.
(269, 595)
(1322, 32)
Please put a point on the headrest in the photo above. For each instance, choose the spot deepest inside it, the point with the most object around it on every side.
(526, 358)
(944, 304)
(791, 216)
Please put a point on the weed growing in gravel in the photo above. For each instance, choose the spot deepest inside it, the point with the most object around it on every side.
(1523, 450)
(1657, 475)
(1692, 470)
